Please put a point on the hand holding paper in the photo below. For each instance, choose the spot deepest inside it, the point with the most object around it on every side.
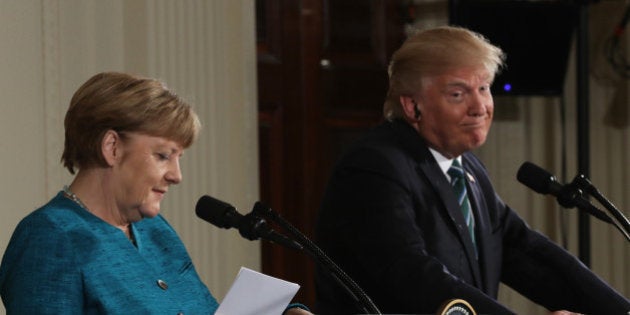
(254, 293)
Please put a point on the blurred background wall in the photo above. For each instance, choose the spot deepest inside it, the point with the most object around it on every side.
(204, 50)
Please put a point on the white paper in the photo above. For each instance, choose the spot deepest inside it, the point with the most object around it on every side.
(254, 293)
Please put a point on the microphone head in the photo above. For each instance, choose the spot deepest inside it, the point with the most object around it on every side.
(537, 178)
(217, 212)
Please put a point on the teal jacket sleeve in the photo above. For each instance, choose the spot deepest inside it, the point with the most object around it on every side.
(295, 305)
(33, 283)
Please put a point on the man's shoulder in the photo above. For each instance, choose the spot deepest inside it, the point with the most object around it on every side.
(473, 162)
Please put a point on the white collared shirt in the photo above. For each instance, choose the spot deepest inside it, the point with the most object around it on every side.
(444, 162)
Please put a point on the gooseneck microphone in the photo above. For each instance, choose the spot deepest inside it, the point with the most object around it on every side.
(572, 195)
(568, 196)
(250, 226)
(538, 179)
(217, 212)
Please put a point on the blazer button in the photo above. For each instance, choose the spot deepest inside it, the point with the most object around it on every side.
(162, 284)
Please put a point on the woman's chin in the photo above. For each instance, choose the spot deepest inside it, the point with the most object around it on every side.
(151, 212)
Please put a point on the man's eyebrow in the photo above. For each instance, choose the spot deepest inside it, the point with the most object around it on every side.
(463, 84)
(459, 84)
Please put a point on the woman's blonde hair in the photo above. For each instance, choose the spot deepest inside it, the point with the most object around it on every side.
(123, 103)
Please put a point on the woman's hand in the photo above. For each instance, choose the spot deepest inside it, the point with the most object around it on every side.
(297, 311)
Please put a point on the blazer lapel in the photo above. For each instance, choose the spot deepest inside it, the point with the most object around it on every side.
(481, 223)
(441, 185)
(428, 167)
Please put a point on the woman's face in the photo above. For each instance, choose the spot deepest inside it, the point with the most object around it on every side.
(147, 167)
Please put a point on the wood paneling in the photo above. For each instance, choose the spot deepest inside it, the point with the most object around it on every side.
(322, 80)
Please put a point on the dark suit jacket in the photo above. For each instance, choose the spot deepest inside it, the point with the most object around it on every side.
(389, 219)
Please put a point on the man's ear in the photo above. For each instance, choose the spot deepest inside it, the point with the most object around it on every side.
(111, 147)
(410, 108)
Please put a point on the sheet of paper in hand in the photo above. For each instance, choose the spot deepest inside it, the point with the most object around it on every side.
(257, 294)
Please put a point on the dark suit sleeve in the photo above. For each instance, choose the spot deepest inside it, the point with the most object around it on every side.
(368, 225)
(551, 276)
(541, 270)
(382, 221)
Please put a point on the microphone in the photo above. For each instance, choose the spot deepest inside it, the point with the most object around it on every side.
(343, 280)
(538, 179)
(250, 226)
(568, 196)
(542, 182)
(218, 213)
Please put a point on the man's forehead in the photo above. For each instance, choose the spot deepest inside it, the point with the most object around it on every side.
(461, 78)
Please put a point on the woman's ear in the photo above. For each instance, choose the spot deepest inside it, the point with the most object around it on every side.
(111, 147)
(411, 108)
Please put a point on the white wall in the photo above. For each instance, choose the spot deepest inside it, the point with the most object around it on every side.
(204, 50)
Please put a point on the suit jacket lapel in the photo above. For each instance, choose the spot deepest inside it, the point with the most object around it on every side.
(428, 167)
(441, 185)
(482, 222)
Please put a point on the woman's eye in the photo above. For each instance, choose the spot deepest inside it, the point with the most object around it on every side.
(163, 156)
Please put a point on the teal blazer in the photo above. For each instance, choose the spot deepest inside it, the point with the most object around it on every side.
(63, 260)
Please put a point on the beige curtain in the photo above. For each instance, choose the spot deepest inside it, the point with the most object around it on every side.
(204, 50)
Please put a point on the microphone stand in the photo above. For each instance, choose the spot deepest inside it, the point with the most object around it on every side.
(570, 196)
(357, 294)
(621, 222)
(254, 228)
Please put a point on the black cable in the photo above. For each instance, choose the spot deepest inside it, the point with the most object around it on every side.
(337, 273)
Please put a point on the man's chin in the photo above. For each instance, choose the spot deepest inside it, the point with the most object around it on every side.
(477, 141)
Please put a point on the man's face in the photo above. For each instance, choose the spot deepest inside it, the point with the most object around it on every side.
(456, 109)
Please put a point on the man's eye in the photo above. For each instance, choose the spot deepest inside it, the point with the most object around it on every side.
(456, 95)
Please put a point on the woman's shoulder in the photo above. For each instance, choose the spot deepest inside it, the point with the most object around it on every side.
(60, 223)
(41, 232)
(59, 212)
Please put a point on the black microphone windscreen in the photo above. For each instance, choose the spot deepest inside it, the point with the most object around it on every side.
(217, 212)
(535, 178)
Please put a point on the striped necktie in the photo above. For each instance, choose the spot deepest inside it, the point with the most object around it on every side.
(458, 183)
